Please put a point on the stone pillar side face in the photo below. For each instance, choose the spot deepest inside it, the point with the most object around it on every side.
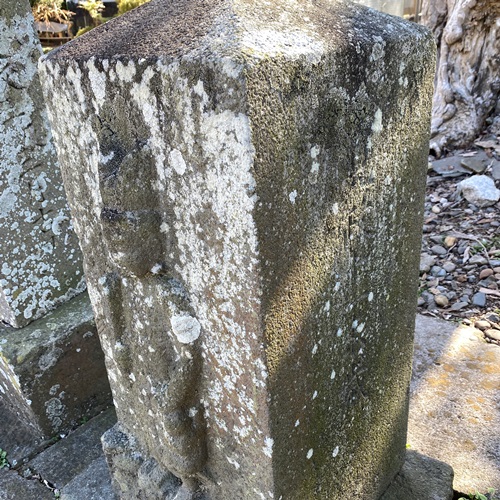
(159, 177)
(39, 256)
(341, 136)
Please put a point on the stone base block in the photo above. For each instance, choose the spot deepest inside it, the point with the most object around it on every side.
(52, 376)
(421, 478)
(133, 474)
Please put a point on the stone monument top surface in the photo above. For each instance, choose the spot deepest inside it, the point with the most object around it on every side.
(208, 27)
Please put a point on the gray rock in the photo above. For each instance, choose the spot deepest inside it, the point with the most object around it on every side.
(439, 250)
(482, 324)
(479, 259)
(15, 487)
(495, 170)
(94, 483)
(479, 190)
(421, 478)
(438, 239)
(457, 306)
(476, 165)
(426, 262)
(449, 267)
(438, 271)
(69, 457)
(49, 359)
(479, 299)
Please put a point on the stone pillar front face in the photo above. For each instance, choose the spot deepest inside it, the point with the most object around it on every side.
(247, 183)
(40, 262)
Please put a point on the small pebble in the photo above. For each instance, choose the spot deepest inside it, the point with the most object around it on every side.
(449, 241)
(441, 300)
(437, 271)
(459, 305)
(485, 273)
(436, 239)
(435, 209)
(493, 334)
(449, 267)
(493, 317)
(478, 259)
(479, 299)
(439, 250)
(482, 324)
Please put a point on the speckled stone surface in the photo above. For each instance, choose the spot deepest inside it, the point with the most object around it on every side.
(247, 183)
(52, 375)
(455, 402)
(40, 262)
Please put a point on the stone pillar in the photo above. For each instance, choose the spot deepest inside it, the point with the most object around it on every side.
(40, 262)
(247, 180)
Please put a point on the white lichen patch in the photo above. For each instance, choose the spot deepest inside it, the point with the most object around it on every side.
(268, 447)
(263, 43)
(186, 328)
(177, 161)
(292, 196)
(309, 454)
(377, 126)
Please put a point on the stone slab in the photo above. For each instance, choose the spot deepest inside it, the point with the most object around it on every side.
(94, 483)
(65, 460)
(15, 487)
(40, 262)
(455, 402)
(421, 478)
(52, 375)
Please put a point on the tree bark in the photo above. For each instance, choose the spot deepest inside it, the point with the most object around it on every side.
(467, 84)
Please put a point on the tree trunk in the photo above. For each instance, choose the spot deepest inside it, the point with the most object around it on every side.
(468, 73)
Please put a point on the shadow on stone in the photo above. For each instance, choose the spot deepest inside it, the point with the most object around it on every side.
(421, 478)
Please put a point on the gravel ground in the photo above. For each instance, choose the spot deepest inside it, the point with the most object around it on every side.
(460, 261)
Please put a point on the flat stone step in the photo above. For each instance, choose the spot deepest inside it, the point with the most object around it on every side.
(64, 461)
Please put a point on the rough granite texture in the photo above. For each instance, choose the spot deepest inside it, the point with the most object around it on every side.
(40, 262)
(247, 184)
(52, 375)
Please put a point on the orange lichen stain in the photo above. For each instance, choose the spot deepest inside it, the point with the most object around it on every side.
(441, 380)
(472, 365)
(468, 445)
(490, 385)
(474, 400)
(491, 356)
(490, 368)
(448, 368)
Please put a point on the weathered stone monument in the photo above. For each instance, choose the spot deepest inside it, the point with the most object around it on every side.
(247, 184)
(51, 370)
